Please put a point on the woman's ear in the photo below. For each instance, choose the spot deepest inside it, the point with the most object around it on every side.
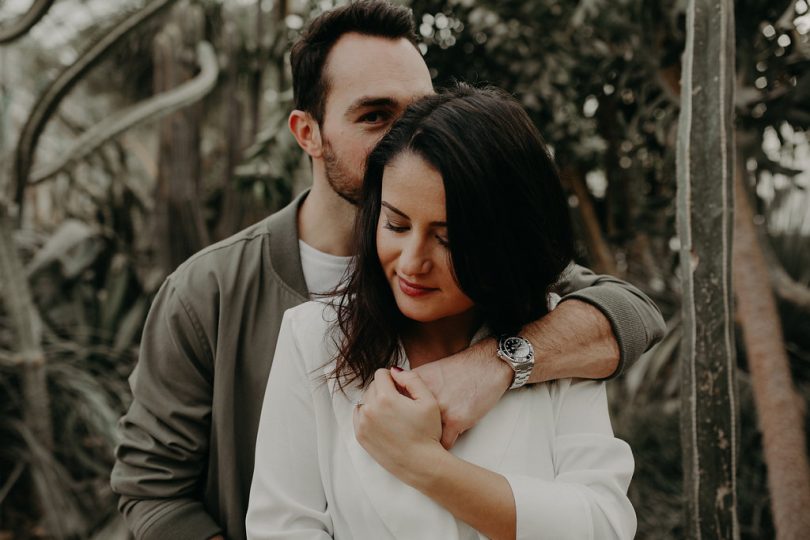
(307, 132)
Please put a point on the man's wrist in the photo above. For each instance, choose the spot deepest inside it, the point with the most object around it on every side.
(502, 373)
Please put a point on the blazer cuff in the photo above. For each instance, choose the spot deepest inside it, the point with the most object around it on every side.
(187, 521)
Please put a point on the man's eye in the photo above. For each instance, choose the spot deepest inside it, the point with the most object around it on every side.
(374, 117)
(391, 227)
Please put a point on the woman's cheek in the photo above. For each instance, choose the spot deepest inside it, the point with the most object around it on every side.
(387, 250)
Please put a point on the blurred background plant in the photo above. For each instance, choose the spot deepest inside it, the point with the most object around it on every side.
(154, 150)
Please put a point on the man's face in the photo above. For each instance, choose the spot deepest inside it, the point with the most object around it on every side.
(370, 82)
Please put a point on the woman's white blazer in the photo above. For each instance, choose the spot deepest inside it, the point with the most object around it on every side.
(312, 480)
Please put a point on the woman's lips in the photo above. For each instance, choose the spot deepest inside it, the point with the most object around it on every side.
(412, 289)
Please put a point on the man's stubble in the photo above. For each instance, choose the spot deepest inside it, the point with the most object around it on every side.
(348, 186)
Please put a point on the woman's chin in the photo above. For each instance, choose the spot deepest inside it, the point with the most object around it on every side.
(418, 315)
(412, 310)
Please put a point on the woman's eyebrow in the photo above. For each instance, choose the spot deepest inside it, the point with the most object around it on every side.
(395, 209)
(403, 214)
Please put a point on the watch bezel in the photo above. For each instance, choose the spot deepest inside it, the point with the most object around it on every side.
(521, 366)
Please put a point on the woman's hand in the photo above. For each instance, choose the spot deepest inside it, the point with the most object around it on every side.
(399, 424)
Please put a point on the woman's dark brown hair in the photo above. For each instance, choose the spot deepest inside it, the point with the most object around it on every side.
(508, 227)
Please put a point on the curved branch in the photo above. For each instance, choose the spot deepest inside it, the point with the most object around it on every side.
(155, 107)
(62, 85)
(21, 26)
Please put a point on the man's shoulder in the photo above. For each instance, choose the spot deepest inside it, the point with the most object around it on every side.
(250, 255)
(245, 239)
(224, 259)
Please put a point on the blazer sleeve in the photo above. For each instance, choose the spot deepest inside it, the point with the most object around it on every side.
(588, 497)
(287, 499)
(163, 437)
(636, 321)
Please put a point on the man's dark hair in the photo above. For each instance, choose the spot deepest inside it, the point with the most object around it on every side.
(509, 231)
(309, 53)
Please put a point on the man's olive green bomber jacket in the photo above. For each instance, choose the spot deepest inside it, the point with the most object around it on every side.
(185, 459)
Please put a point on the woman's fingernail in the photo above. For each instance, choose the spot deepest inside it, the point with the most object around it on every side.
(396, 368)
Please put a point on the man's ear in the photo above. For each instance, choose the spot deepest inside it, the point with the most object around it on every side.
(307, 132)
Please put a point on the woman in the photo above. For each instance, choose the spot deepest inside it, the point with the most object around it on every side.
(462, 233)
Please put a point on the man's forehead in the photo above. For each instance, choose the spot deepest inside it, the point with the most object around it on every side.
(362, 70)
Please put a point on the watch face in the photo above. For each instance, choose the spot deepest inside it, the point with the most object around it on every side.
(517, 347)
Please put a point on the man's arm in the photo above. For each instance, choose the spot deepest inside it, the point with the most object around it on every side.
(600, 326)
(161, 458)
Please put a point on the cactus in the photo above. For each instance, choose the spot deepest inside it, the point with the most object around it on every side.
(705, 179)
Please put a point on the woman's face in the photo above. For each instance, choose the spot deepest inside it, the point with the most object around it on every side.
(412, 241)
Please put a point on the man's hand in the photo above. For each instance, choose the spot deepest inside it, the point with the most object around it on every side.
(466, 385)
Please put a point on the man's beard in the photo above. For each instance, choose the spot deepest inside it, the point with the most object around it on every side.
(348, 187)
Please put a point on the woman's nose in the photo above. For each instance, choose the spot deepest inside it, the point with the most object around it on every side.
(414, 259)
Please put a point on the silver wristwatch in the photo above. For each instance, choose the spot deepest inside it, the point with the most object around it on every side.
(519, 354)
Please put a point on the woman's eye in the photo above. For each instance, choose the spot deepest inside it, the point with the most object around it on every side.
(391, 227)
(443, 241)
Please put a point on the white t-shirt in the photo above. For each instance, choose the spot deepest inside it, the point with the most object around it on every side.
(322, 271)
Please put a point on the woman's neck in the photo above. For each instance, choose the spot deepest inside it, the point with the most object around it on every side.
(427, 342)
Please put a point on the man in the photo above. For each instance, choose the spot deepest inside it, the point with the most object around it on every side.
(186, 458)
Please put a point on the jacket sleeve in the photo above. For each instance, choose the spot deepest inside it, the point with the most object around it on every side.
(636, 321)
(588, 497)
(163, 438)
(287, 499)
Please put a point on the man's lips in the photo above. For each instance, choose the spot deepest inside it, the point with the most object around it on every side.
(412, 289)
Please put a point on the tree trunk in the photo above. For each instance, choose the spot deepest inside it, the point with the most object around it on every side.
(233, 199)
(16, 297)
(19, 304)
(705, 163)
(180, 228)
(257, 75)
(779, 408)
(281, 30)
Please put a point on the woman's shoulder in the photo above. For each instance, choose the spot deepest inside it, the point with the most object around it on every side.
(312, 324)
(311, 315)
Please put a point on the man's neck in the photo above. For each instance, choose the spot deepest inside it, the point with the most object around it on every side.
(326, 221)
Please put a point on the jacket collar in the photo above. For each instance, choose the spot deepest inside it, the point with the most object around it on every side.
(285, 255)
